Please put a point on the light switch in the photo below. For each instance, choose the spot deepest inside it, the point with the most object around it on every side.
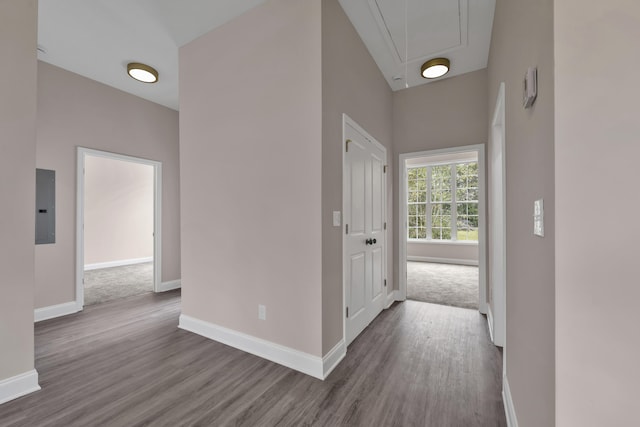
(538, 218)
(336, 218)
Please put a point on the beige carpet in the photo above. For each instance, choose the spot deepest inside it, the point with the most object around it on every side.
(107, 284)
(445, 284)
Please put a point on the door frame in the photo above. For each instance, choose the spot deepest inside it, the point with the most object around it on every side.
(346, 120)
(402, 218)
(82, 153)
(497, 310)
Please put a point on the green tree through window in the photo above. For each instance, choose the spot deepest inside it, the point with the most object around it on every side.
(442, 202)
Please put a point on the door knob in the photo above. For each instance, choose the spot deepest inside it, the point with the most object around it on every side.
(374, 241)
(368, 242)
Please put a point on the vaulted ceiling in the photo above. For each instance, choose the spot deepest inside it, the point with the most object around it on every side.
(97, 38)
(403, 34)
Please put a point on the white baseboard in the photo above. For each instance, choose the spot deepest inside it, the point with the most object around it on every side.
(333, 358)
(118, 263)
(18, 386)
(54, 311)
(482, 307)
(289, 357)
(169, 286)
(490, 322)
(443, 260)
(391, 298)
(509, 409)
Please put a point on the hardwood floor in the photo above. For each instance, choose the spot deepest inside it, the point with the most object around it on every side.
(125, 363)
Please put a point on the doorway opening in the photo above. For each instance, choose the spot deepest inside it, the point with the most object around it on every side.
(442, 227)
(118, 227)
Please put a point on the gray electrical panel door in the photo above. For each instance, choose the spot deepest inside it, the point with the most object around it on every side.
(45, 206)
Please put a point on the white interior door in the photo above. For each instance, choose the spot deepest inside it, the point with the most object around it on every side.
(364, 213)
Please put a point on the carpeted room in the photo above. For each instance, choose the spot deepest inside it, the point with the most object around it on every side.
(118, 229)
(445, 284)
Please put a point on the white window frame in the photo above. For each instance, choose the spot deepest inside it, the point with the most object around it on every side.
(428, 203)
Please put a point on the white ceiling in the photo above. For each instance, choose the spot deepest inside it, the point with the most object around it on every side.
(456, 29)
(97, 38)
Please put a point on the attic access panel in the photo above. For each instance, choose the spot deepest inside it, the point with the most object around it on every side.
(433, 26)
(45, 206)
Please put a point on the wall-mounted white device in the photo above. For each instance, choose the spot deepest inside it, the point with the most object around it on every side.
(530, 90)
(336, 218)
(538, 218)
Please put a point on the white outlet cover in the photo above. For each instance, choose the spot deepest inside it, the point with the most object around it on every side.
(538, 218)
(262, 312)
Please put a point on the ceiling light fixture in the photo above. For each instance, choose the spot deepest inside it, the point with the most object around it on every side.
(434, 68)
(142, 72)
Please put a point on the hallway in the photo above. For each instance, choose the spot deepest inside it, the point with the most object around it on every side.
(125, 362)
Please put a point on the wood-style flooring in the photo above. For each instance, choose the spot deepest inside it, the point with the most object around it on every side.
(125, 363)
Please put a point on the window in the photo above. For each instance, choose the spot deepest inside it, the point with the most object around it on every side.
(442, 202)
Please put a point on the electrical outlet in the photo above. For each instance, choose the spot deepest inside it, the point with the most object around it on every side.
(262, 312)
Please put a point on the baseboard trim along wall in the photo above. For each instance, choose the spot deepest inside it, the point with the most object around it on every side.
(53, 311)
(170, 285)
(490, 322)
(333, 358)
(509, 409)
(18, 386)
(391, 298)
(118, 263)
(443, 260)
(309, 364)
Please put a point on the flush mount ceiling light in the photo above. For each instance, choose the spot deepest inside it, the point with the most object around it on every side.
(434, 68)
(142, 72)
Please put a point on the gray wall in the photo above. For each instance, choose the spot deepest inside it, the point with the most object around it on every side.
(597, 152)
(447, 251)
(523, 37)
(118, 210)
(351, 84)
(443, 114)
(75, 111)
(250, 151)
(18, 27)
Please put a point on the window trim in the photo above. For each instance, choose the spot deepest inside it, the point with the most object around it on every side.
(428, 203)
